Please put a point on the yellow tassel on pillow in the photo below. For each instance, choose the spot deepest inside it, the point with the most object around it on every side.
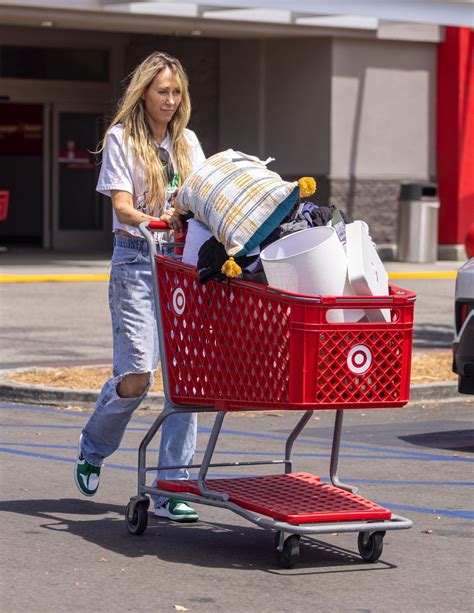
(307, 186)
(230, 268)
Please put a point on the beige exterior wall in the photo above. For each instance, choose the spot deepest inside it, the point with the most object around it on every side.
(337, 107)
(275, 101)
(357, 114)
(298, 105)
(382, 109)
(241, 96)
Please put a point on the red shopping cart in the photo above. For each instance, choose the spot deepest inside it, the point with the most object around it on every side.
(240, 345)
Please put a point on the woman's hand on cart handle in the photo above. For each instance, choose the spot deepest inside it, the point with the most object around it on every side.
(172, 217)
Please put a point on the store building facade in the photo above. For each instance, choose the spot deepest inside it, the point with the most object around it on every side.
(353, 107)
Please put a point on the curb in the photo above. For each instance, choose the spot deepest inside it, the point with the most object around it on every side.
(35, 394)
(60, 396)
(435, 392)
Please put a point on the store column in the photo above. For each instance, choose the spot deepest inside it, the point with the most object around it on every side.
(455, 140)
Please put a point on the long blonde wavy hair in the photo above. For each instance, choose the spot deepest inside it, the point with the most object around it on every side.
(131, 114)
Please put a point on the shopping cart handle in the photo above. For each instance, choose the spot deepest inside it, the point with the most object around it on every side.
(158, 225)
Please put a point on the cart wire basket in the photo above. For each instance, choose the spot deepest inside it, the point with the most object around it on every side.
(230, 346)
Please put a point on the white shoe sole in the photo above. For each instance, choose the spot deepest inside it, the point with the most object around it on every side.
(163, 512)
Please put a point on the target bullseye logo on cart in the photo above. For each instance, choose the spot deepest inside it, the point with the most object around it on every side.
(359, 359)
(179, 301)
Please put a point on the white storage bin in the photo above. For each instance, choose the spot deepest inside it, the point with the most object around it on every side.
(313, 262)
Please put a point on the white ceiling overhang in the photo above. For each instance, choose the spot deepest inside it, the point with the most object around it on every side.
(410, 19)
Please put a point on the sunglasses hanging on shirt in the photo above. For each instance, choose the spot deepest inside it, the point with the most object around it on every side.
(167, 165)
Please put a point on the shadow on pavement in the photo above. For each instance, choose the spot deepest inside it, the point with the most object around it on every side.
(204, 544)
(453, 440)
(431, 336)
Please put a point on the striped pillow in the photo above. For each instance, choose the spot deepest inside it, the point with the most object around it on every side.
(238, 199)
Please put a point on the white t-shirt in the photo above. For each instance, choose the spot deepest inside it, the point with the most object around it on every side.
(121, 170)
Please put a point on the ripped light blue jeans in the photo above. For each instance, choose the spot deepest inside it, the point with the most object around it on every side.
(135, 346)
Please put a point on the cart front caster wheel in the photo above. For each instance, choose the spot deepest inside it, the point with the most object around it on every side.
(137, 525)
(290, 554)
(370, 545)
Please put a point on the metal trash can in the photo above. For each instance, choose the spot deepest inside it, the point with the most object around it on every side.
(418, 222)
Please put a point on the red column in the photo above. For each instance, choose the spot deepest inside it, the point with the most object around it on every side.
(455, 134)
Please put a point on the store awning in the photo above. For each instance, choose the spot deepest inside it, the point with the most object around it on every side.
(244, 17)
(315, 12)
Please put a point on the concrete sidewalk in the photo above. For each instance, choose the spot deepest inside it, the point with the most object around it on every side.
(24, 263)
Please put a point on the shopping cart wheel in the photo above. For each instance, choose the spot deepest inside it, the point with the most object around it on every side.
(290, 554)
(370, 545)
(138, 522)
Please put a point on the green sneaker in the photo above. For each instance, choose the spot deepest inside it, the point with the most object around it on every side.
(177, 510)
(86, 475)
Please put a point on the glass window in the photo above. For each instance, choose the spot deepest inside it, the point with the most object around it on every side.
(52, 63)
(80, 206)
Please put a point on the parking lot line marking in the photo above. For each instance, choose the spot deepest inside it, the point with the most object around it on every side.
(239, 433)
(48, 278)
(207, 430)
(370, 454)
(447, 512)
(417, 483)
(58, 427)
(9, 444)
(461, 514)
(81, 277)
(395, 453)
(298, 454)
(56, 458)
(358, 447)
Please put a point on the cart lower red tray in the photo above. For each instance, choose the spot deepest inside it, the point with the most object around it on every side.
(298, 498)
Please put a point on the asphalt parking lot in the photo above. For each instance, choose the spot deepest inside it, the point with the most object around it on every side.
(63, 552)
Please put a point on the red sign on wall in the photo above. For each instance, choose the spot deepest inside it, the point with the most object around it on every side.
(21, 129)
